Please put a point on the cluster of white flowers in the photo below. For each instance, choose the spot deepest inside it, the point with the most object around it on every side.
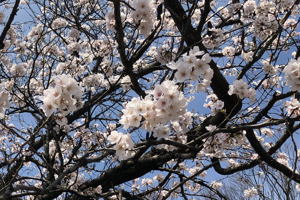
(18, 69)
(143, 15)
(293, 107)
(248, 56)
(147, 182)
(110, 19)
(271, 82)
(297, 187)
(251, 192)
(268, 68)
(214, 103)
(215, 38)
(35, 32)
(216, 145)
(162, 105)
(267, 131)
(242, 89)
(228, 51)
(94, 81)
(265, 25)
(123, 144)
(191, 67)
(64, 97)
(265, 22)
(216, 185)
(59, 23)
(292, 74)
(249, 8)
(285, 4)
(283, 158)
(162, 54)
(4, 103)
(263, 16)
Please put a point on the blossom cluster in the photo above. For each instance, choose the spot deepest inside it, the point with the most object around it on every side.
(123, 144)
(228, 51)
(4, 103)
(214, 39)
(191, 67)
(215, 146)
(163, 104)
(263, 17)
(143, 15)
(293, 107)
(63, 97)
(59, 23)
(250, 192)
(242, 90)
(214, 103)
(19, 69)
(292, 74)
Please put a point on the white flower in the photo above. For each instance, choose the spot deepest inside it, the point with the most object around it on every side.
(211, 128)
(114, 137)
(98, 189)
(161, 131)
(216, 185)
(192, 67)
(19, 69)
(268, 68)
(182, 74)
(162, 104)
(292, 74)
(123, 144)
(240, 88)
(59, 23)
(4, 102)
(228, 51)
(48, 107)
(214, 39)
(248, 56)
(251, 192)
(64, 97)
(293, 107)
(147, 181)
(267, 131)
(249, 8)
(143, 15)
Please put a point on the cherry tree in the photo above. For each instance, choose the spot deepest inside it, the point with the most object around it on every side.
(147, 99)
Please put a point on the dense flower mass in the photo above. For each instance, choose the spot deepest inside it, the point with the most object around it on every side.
(292, 74)
(64, 97)
(123, 144)
(240, 88)
(143, 15)
(214, 104)
(163, 104)
(191, 67)
(4, 101)
(250, 192)
(293, 107)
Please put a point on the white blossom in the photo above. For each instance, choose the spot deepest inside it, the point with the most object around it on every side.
(123, 144)
(250, 192)
(64, 97)
(292, 74)
(240, 88)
